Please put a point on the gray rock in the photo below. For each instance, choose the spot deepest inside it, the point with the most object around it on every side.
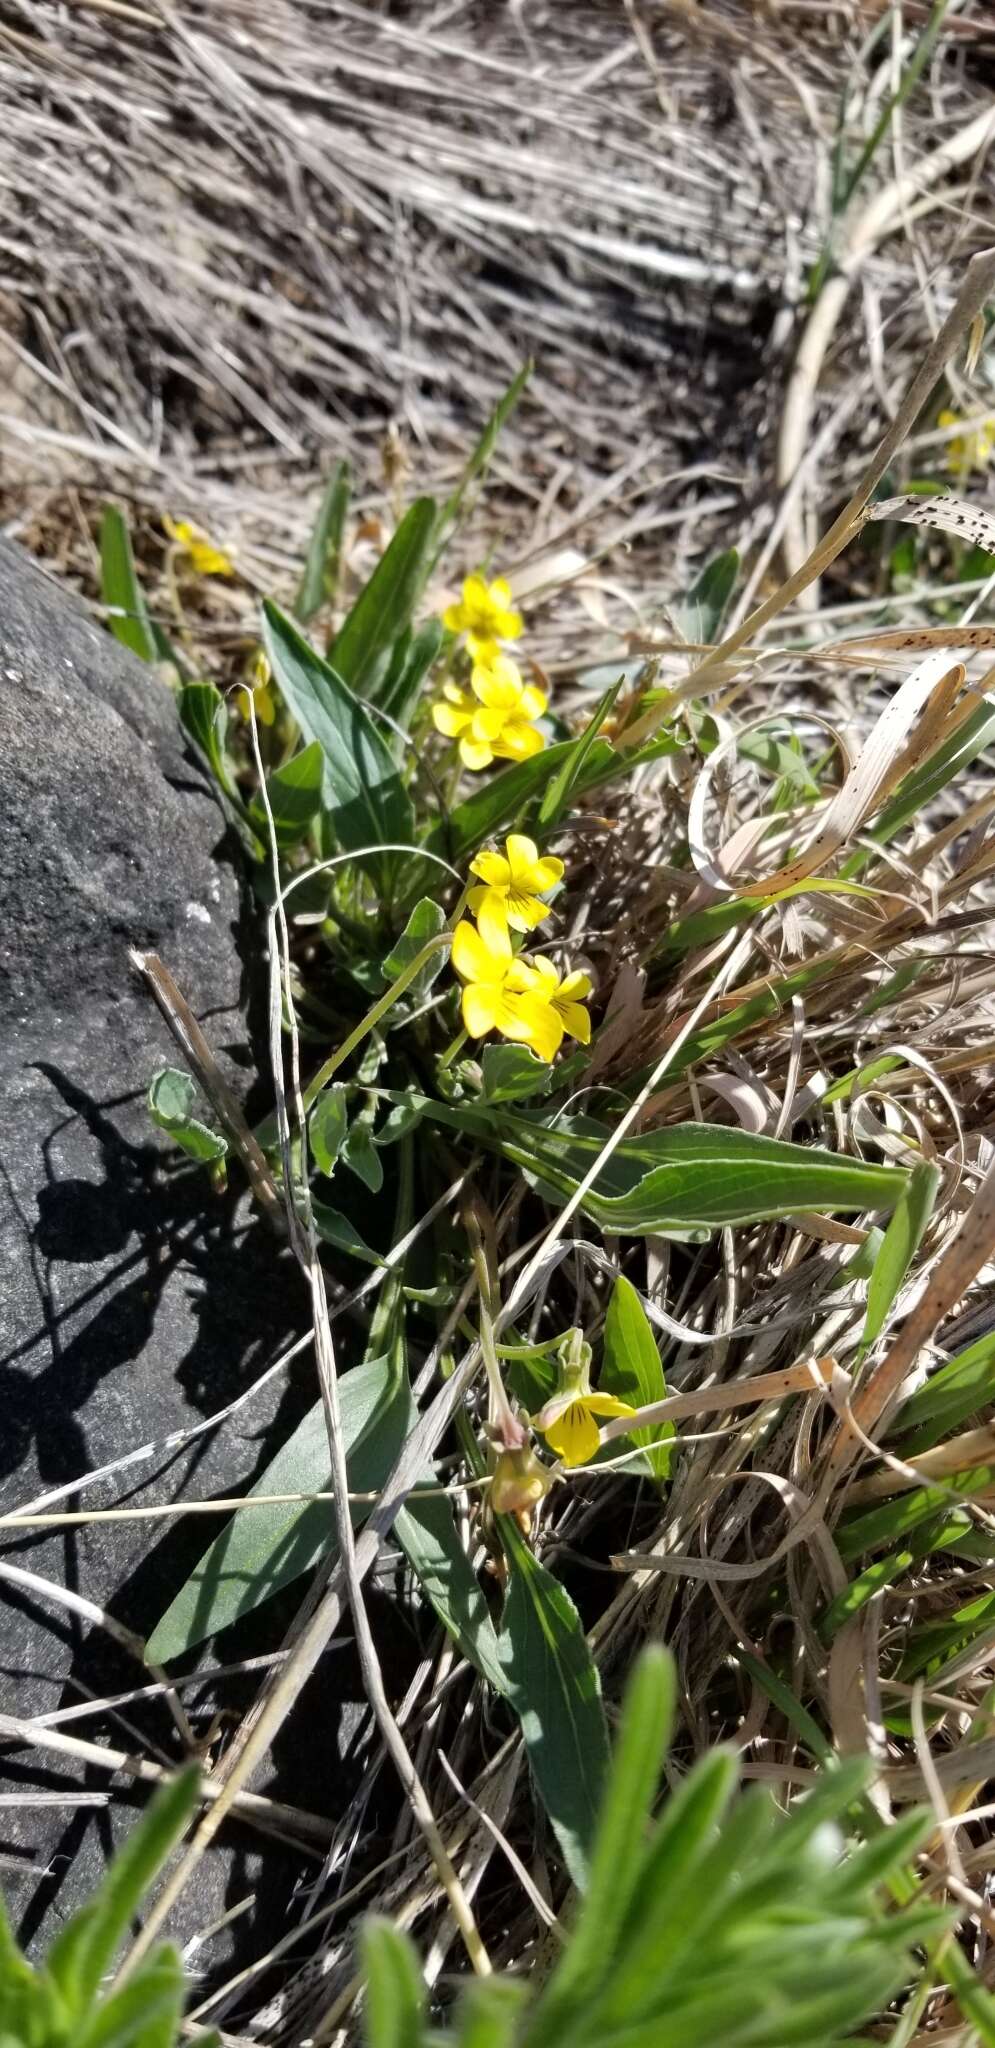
(133, 1302)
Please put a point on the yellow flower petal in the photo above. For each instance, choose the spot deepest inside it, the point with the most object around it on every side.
(541, 1027)
(500, 687)
(490, 909)
(574, 1435)
(522, 853)
(546, 873)
(492, 868)
(476, 754)
(576, 1021)
(500, 592)
(576, 986)
(475, 961)
(532, 702)
(519, 741)
(452, 618)
(607, 1404)
(448, 719)
(479, 1007)
(524, 912)
(487, 725)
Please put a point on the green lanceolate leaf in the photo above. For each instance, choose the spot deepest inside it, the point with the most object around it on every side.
(553, 1685)
(414, 654)
(171, 1098)
(321, 569)
(427, 1533)
(683, 1180)
(360, 650)
(511, 1073)
(363, 794)
(699, 615)
(204, 718)
(120, 589)
(327, 1126)
(262, 1549)
(334, 1228)
(901, 1241)
(294, 792)
(145, 2012)
(426, 921)
(360, 1154)
(632, 1371)
(395, 1993)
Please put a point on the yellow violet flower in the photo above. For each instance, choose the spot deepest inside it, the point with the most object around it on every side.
(489, 1003)
(555, 1008)
(484, 613)
(970, 450)
(263, 693)
(493, 720)
(205, 559)
(527, 1003)
(513, 883)
(568, 1418)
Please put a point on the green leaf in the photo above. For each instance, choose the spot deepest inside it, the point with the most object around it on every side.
(263, 1549)
(557, 796)
(327, 1126)
(957, 1390)
(360, 650)
(632, 1371)
(426, 921)
(427, 1532)
(901, 1241)
(616, 1856)
(334, 1228)
(321, 569)
(395, 1995)
(511, 1073)
(699, 615)
(552, 1682)
(362, 790)
(480, 458)
(170, 1099)
(503, 797)
(204, 718)
(489, 2013)
(119, 587)
(360, 1154)
(686, 1178)
(294, 793)
(146, 2012)
(414, 654)
(84, 1950)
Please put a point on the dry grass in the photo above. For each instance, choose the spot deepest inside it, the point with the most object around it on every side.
(248, 245)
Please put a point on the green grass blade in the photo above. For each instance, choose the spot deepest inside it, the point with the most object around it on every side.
(479, 459)
(119, 587)
(556, 800)
(950, 1396)
(319, 583)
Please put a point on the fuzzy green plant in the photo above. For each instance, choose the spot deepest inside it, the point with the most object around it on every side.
(70, 2000)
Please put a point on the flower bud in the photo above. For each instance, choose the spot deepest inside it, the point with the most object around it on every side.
(520, 1480)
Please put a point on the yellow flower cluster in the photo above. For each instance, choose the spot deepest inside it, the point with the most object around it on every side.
(971, 449)
(525, 1000)
(204, 558)
(495, 718)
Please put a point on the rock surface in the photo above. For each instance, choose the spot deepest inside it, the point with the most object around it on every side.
(133, 1302)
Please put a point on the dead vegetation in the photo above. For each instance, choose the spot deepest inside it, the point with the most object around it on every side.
(247, 244)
